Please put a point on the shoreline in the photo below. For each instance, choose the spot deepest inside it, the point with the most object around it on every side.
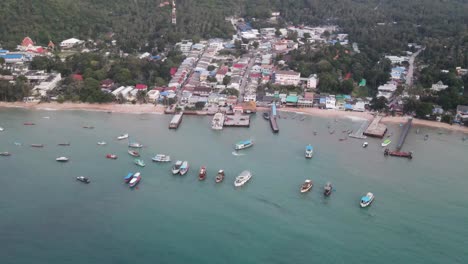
(159, 109)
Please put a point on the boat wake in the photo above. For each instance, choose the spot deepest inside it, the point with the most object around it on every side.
(235, 153)
(46, 117)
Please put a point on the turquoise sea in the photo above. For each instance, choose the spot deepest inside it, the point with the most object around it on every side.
(420, 214)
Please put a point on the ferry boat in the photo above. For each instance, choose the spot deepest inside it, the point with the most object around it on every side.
(220, 176)
(306, 186)
(133, 153)
(63, 144)
(266, 116)
(62, 159)
(124, 136)
(218, 121)
(367, 199)
(327, 190)
(139, 162)
(161, 158)
(184, 168)
(135, 145)
(386, 142)
(244, 144)
(176, 167)
(101, 143)
(129, 177)
(5, 154)
(135, 180)
(202, 173)
(365, 144)
(37, 145)
(83, 179)
(111, 156)
(243, 178)
(309, 151)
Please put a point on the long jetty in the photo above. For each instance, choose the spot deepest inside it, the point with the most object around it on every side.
(404, 133)
(360, 132)
(273, 115)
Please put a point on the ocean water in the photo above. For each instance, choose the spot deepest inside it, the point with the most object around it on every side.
(420, 214)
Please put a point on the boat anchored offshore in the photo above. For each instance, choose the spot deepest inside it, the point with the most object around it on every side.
(124, 136)
(139, 162)
(1, 129)
(244, 144)
(367, 199)
(176, 167)
(365, 144)
(386, 142)
(62, 159)
(161, 158)
(102, 143)
(306, 186)
(327, 190)
(133, 153)
(63, 144)
(220, 176)
(37, 145)
(129, 177)
(135, 145)
(266, 116)
(309, 151)
(401, 154)
(243, 178)
(218, 121)
(202, 173)
(83, 179)
(5, 154)
(136, 178)
(184, 168)
(111, 156)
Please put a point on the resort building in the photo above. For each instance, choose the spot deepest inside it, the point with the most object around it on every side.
(70, 43)
(312, 81)
(287, 78)
(387, 90)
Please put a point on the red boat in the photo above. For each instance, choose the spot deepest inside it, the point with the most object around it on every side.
(401, 154)
(202, 174)
(111, 156)
(28, 124)
(133, 153)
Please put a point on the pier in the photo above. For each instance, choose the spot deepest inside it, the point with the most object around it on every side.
(404, 133)
(273, 122)
(237, 120)
(176, 120)
(376, 129)
(360, 132)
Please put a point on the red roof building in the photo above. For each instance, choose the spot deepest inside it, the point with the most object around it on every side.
(27, 41)
(141, 86)
(348, 76)
(238, 65)
(77, 77)
(173, 71)
(255, 75)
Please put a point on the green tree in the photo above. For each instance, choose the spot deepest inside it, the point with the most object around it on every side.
(347, 86)
(226, 80)
(379, 104)
(423, 110)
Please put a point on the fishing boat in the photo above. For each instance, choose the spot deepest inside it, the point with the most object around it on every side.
(123, 136)
(327, 190)
(135, 145)
(202, 173)
(306, 186)
(365, 144)
(426, 137)
(37, 145)
(367, 200)
(63, 144)
(88, 127)
(135, 180)
(220, 176)
(309, 151)
(244, 144)
(129, 177)
(111, 156)
(401, 154)
(243, 178)
(62, 159)
(28, 124)
(5, 154)
(83, 179)
(218, 121)
(266, 116)
(139, 162)
(176, 167)
(102, 143)
(343, 139)
(386, 142)
(133, 153)
(184, 168)
(161, 158)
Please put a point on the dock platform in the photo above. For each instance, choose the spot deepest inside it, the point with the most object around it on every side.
(273, 116)
(376, 129)
(176, 120)
(237, 120)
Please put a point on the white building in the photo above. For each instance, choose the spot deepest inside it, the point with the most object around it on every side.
(359, 106)
(330, 102)
(439, 86)
(48, 84)
(397, 59)
(387, 90)
(185, 46)
(287, 77)
(153, 96)
(312, 81)
(70, 43)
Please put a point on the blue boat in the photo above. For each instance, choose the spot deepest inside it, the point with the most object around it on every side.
(367, 200)
(128, 177)
(309, 151)
(244, 144)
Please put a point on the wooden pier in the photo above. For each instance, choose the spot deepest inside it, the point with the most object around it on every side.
(273, 116)
(404, 133)
(237, 120)
(376, 129)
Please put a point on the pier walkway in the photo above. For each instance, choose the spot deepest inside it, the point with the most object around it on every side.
(376, 129)
(360, 132)
(404, 133)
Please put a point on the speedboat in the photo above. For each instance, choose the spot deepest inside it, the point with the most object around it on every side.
(101, 143)
(176, 167)
(327, 190)
(365, 144)
(135, 145)
(62, 159)
(111, 156)
(129, 177)
(1, 129)
(184, 168)
(367, 199)
(5, 154)
(242, 178)
(244, 144)
(161, 158)
(266, 116)
(306, 186)
(309, 151)
(133, 153)
(83, 179)
(124, 136)
(220, 176)
(139, 162)
(135, 180)
(202, 173)
(37, 145)
(386, 142)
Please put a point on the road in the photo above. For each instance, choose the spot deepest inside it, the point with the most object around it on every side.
(245, 78)
(409, 75)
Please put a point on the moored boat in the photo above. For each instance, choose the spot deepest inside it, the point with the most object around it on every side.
(184, 168)
(37, 145)
(135, 145)
(161, 158)
(202, 173)
(83, 179)
(128, 177)
(139, 162)
(62, 159)
(176, 167)
(133, 153)
(426, 137)
(306, 186)
(88, 127)
(244, 144)
(123, 136)
(365, 144)
(111, 156)
(401, 154)
(309, 151)
(386, 142)
(135, 180)
(327, 190)
(63, 144)
(220, 176)
(102, 143)
(1, 129)
(5, 154)
(266, 116)
(367, 200)
(28, 124)
(243, 178)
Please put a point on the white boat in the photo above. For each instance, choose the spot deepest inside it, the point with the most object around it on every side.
(367, 199)
(161, 158)
(242, 178)
(1, 129)
(218, 121)
(184, 168)
(102, 143)
(306, 186)
(243, 144)
(309, 151)
(135, 145)
(386, 142)
(124, 136)
(176, 167)
(365, 144)
(62, 159)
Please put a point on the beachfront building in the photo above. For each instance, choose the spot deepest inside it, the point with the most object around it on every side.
(287, 78)
(312, 81)
(387, 90)
(330, 102)
(48, 84)
(70, 43)
(153, 96)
